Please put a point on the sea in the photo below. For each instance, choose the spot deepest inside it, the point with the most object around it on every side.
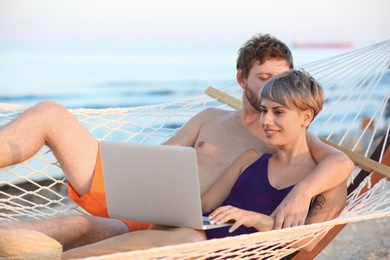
(120, 77)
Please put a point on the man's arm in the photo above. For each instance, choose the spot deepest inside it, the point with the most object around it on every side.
(333, 168)
(188, 134)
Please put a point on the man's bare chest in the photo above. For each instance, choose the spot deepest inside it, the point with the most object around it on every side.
(226, 143)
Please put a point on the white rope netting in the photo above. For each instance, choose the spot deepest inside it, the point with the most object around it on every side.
(356, 116)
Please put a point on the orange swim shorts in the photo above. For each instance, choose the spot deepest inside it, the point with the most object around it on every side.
(95, 200)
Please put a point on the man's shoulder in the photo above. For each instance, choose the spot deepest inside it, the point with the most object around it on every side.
(213, 116)
(216, 111)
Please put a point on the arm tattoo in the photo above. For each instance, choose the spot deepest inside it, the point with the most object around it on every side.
(317, 203)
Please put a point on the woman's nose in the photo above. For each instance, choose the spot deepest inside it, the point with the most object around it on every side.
(267, 119)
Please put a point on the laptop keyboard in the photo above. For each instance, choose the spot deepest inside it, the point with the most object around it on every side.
(206, 221)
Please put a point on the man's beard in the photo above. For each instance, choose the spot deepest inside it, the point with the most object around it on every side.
(252, 98)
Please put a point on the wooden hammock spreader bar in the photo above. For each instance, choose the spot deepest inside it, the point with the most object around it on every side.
(224, 98)
(364, 163)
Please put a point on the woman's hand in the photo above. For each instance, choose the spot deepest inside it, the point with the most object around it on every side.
(241, 217)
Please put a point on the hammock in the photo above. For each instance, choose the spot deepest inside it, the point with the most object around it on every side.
(355, 118)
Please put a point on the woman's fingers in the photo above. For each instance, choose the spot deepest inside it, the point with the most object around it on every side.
(236, 225)
(223, 214)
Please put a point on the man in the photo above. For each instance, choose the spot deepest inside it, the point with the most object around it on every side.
(219, 137)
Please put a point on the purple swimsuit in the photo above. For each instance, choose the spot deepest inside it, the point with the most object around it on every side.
(252, 191)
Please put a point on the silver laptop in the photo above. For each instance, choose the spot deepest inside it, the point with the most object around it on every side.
(153, 183)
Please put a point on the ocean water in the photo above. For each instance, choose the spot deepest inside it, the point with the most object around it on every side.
(101, 78)
(121, 77)
(128, 77)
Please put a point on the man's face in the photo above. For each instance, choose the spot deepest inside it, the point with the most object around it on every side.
(259, 75)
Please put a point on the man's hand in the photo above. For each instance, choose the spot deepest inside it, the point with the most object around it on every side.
(292, 211)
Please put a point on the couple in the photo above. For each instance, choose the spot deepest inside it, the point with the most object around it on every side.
(213, 133)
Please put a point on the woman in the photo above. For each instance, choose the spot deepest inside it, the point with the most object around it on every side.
(254, 185)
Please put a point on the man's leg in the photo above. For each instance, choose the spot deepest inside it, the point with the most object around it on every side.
(137, 241)
(76, 151)
(51, 124)
(73, 231)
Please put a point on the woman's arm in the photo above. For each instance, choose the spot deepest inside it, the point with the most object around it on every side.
(333, 169)
(325, 206)
(220, 190)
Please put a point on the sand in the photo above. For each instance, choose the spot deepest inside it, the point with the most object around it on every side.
(369, 239)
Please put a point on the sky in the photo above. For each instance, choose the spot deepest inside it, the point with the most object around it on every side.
(181, 23)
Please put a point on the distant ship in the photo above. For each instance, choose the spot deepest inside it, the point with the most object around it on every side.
(325, 45)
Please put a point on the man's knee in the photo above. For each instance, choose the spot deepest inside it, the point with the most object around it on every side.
(80, 230)
(101, 223)
(50, 108)
(106, 226)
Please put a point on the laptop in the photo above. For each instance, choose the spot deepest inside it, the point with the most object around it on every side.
(153, 183)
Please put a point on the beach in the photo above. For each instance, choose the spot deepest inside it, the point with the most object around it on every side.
(369, 239)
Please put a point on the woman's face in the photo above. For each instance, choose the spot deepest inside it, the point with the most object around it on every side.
(281, 125)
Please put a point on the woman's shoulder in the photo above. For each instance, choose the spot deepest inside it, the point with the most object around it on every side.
(250, 156)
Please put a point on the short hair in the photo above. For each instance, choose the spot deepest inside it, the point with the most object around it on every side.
(294, 89)
(261, 48)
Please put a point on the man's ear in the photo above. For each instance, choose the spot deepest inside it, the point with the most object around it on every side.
(241, 79)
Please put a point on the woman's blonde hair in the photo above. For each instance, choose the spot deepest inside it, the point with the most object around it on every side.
(294, 89)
